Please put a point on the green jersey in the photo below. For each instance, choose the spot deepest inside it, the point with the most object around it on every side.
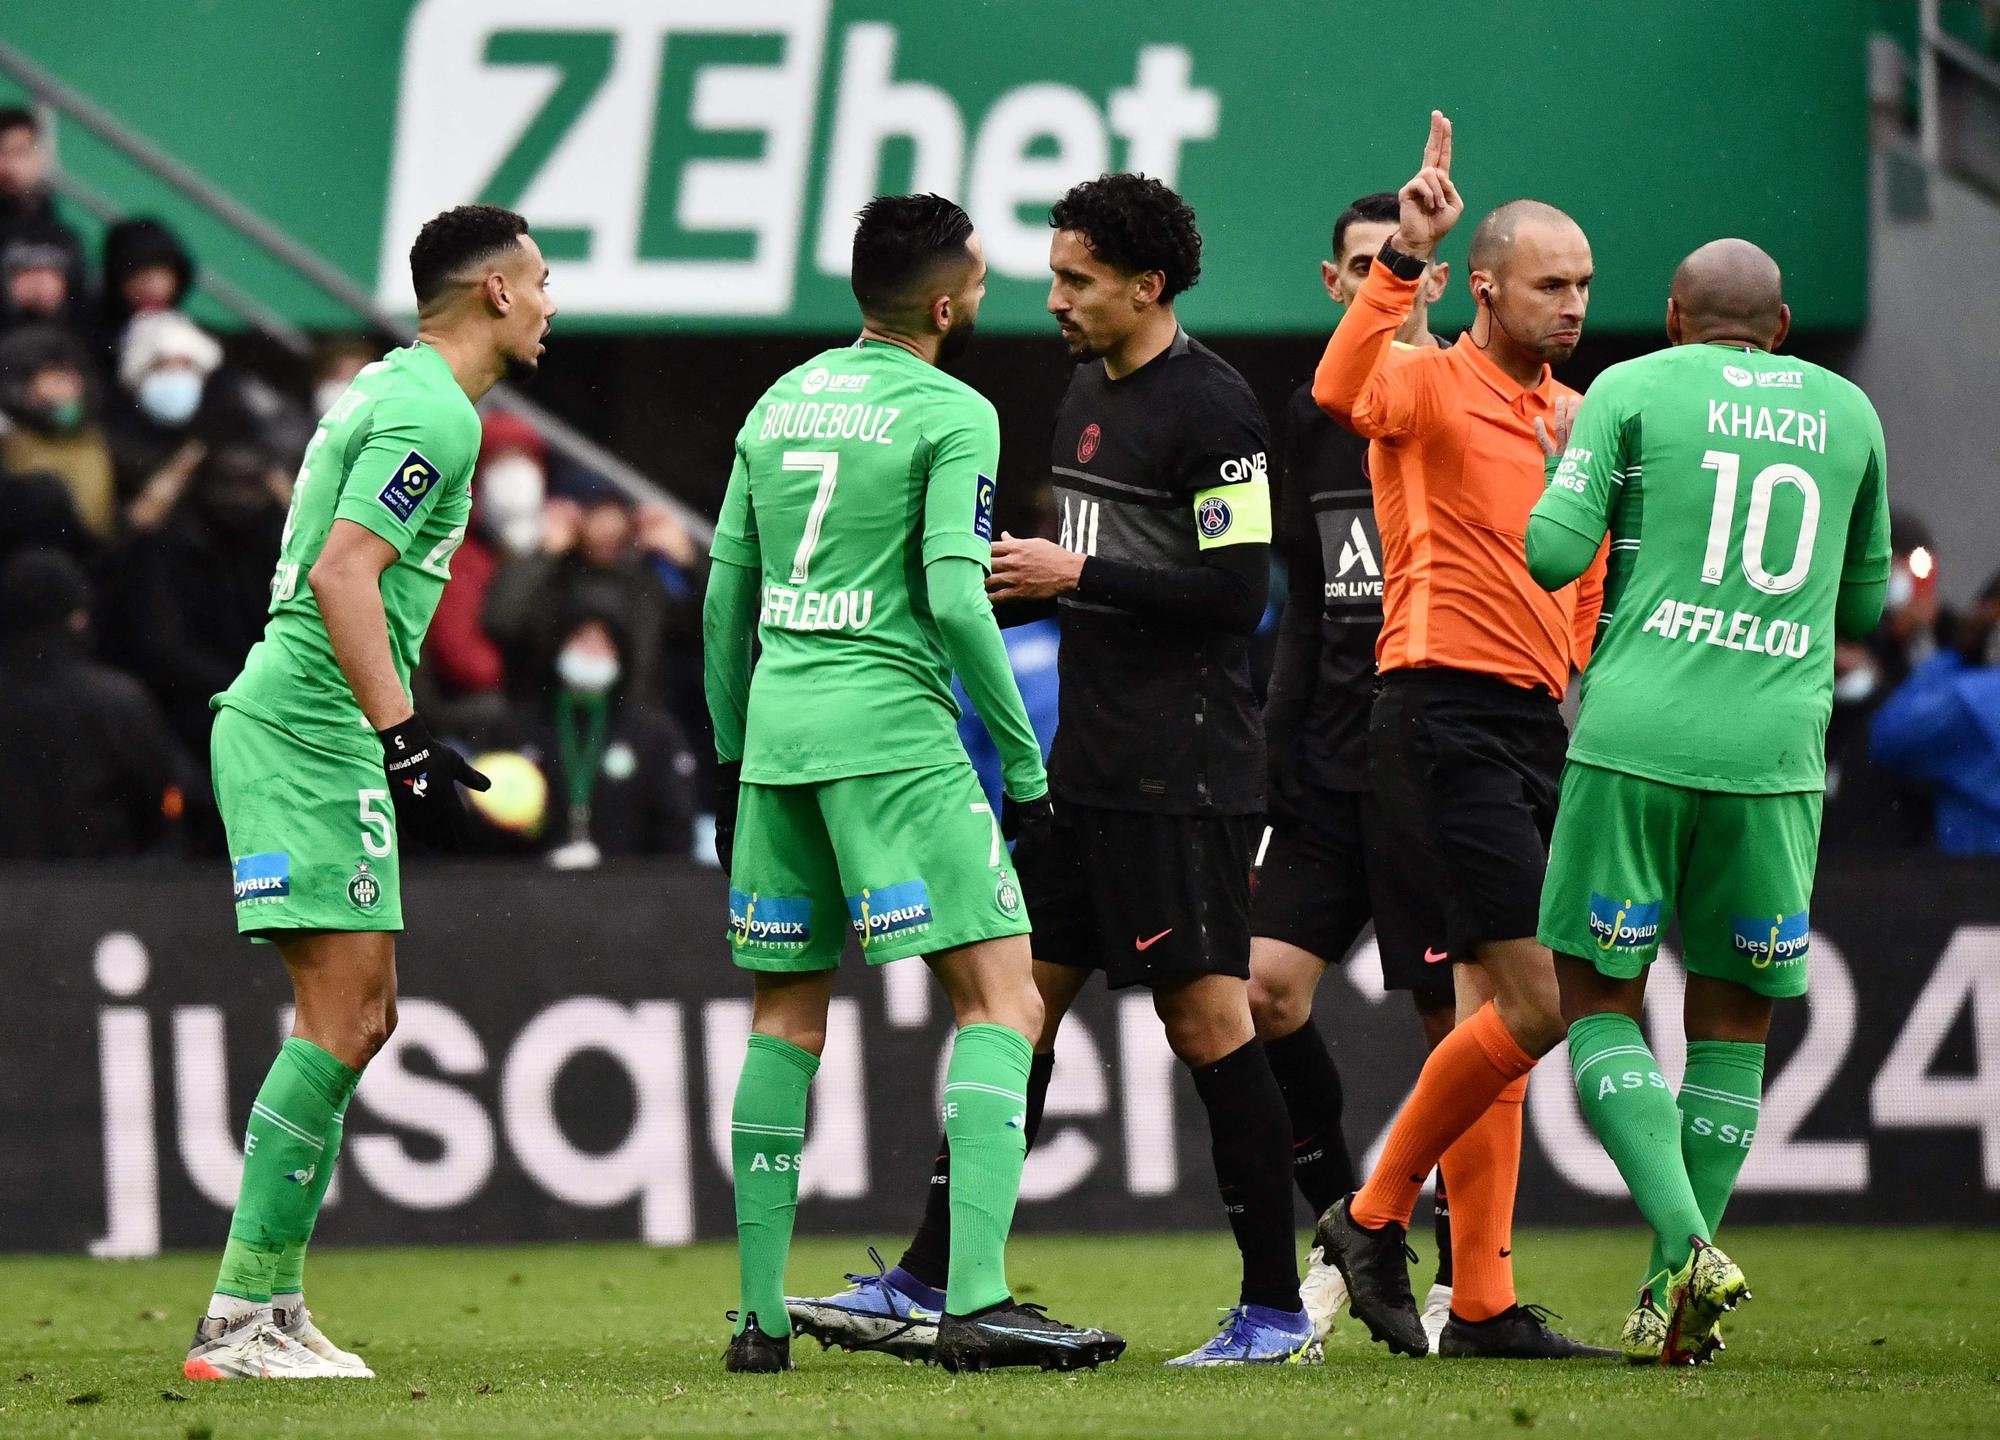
(395, 455)
(852, 473)
(1741, 491)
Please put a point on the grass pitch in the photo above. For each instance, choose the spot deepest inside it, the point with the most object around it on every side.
(1852, 1334)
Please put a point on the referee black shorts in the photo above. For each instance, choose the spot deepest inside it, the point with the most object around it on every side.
(1336, 867)
(1467, 769)
(1148, 899)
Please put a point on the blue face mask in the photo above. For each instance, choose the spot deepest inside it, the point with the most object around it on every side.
(169, 397)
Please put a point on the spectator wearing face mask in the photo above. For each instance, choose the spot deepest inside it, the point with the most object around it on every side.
(190, 595)
(47, 399)
(26, 206)
(590, 559)
(165, 363)
(462, 666)
(145, 268)
(620, 777)
(1871, 806)
(88, 769)
(1941, 728)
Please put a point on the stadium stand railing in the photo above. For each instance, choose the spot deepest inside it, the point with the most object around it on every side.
(57, 101)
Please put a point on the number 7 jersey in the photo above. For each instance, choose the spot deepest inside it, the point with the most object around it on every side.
(1741, 491)
(852, 473)
(395, 455)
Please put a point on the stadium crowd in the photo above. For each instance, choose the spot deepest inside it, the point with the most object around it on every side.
(144, 486)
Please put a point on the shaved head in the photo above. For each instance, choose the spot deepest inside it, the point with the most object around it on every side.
(1729, 288)
(1494, 239)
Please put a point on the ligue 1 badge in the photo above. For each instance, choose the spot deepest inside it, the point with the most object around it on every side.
(364, 889)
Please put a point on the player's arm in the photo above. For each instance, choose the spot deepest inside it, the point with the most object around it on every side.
(729, 615)
(1585, 456)
(1225, 476)
(346, 581)
(1864, 571)
(957, 554)
(407, 459)
(1355, 382)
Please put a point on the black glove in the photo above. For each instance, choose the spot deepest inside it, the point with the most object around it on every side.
(728, 789)
(423, 781)
(1280, 796)
(1033, 821)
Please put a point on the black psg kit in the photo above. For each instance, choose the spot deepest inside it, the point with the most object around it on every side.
(1162, 480)
(1157, 711)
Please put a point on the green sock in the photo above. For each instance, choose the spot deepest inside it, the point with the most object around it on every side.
(289, 1278)
(767, 1131)
(1720, 1095)
(985, 1119)
(1626, 1100)
(287, 1157)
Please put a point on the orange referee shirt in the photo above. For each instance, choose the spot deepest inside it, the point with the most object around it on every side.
(1456, 469)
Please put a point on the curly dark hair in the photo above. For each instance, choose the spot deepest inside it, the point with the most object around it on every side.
(451, 241)
(1137, 224)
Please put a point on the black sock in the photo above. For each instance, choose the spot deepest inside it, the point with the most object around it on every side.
(929, 1257)
(1252, 1144)
(1311, 1084)
(1441, 1217)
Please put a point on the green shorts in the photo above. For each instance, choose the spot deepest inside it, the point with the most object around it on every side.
(1629, 853)
(910, 861)
(312, 832)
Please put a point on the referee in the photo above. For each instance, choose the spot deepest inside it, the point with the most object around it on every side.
(1328, 864)
(1466, 740)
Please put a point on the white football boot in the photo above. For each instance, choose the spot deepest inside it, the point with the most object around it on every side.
(296, 1324)
(251, 1348)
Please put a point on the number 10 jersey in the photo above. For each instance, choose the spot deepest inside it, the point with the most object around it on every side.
(1741, 490)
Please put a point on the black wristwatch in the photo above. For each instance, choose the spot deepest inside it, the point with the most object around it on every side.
(1402, 266)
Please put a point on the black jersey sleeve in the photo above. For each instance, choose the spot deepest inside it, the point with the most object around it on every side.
(1224, 439)
(1226, 591)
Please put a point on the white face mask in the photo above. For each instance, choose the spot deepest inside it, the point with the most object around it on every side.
(170, 397)
(589, 670)
(511, 490)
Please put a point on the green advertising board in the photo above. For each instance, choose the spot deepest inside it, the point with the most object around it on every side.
(696, 163)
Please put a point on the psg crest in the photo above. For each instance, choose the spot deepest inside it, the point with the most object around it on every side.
(1086, 443)
(1212, 516)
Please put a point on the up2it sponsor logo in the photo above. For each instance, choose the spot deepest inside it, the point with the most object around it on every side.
(887, 911)
(1771, 940)
(1624, 924)
(774, 922)
(820, 378)
(263, 877)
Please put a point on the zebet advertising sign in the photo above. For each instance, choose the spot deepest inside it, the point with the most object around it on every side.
(698, 162)
(569, 1045)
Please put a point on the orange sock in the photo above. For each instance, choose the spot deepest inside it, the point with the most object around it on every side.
(1459, 1083)
(1481, 1171)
